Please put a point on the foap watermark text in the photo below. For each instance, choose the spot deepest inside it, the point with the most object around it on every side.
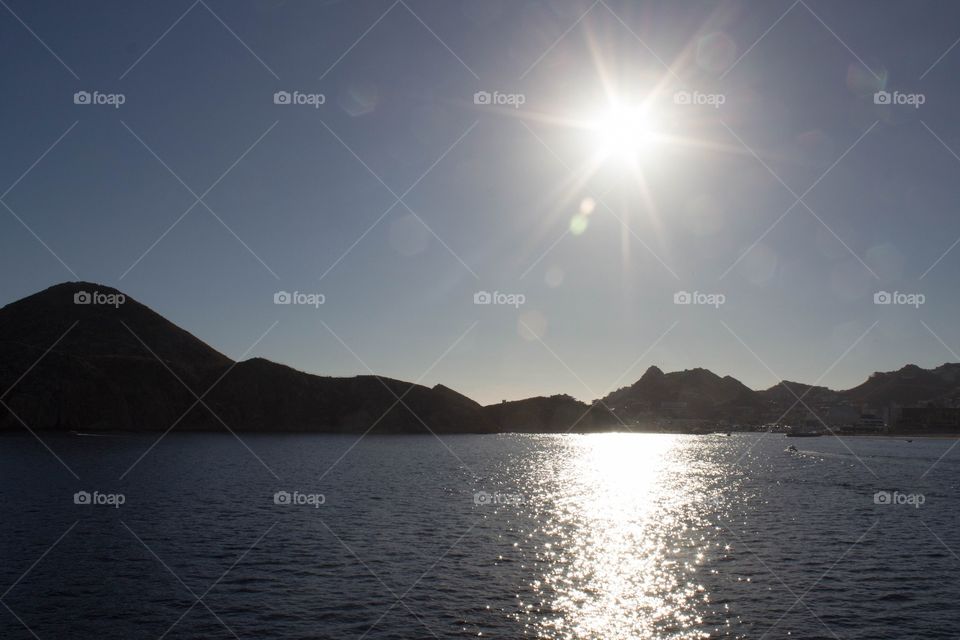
(497, 99)
(896, 498)
(700, 298)
(99, 298)
(299, 298)
(297, 498)
(514, 300)
(896, 98)
(899, 298)
(299, 98)
(96, 498)
(697, 98)
(115, 100)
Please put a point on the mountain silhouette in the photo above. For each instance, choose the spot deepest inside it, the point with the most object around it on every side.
(698, 392)
(125, 367)
(70, 362)
(909, 385)
(553, 414)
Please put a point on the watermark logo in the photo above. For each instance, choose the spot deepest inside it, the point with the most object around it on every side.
(698, 297)
(99, 499)
(299, 298)
(115, 100)
(514, 300)
(696, 98)
(899, 298)
(299, 98)
(99, 298)
(484, 498)
(709, 501)
(896, 98)
(515, 100)
(299, 499)
(895, 497)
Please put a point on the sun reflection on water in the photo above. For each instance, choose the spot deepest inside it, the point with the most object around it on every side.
(620, 512)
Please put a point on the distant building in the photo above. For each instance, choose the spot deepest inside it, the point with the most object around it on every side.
(842, 415)
(927, 419)
(871, 423)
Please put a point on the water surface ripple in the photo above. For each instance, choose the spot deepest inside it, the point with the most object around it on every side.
(507, 536)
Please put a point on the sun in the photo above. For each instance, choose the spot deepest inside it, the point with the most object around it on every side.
(625, 132)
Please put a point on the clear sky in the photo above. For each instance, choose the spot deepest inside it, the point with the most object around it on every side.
(631, 151)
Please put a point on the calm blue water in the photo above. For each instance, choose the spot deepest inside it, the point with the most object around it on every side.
(513, 536)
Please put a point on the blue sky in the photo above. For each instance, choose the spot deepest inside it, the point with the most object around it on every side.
(298, 204)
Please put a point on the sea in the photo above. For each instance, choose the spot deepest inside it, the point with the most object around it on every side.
(606, 536)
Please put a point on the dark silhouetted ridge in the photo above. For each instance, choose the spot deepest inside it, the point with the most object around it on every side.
(123, 366)
(84, 356)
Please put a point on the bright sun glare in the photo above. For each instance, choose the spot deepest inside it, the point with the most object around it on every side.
(625, 132)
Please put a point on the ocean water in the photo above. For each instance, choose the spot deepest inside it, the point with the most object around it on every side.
(506, 536)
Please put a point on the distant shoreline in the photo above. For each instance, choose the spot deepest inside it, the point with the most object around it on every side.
(124, 367)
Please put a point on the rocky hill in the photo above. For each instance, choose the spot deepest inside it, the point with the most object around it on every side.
(909, 385)
(111, 363)
(553, 414)
(692, 393)
(82, 356)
